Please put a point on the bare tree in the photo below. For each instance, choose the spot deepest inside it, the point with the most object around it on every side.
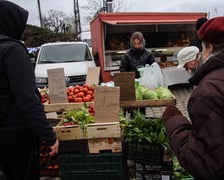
(94, 6)
(56, 21)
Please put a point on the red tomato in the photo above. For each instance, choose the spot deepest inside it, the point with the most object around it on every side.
(86, 99)
(80, 94)
(85, 89)
(71, 93)
(91, 88)
(76, 90)
(89, 96)
(78, 99)
(81, 89)
(77, 86)
(70, 99)
(90, 92)
(86, 86)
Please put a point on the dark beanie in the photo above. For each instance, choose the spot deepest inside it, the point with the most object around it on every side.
(212, 31)
(200, 22)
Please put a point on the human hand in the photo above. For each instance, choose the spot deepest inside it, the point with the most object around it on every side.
(169, 112)
(54, 148)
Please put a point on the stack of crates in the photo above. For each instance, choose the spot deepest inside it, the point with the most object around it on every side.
(97, 156)
(147, 161)
(101, 166)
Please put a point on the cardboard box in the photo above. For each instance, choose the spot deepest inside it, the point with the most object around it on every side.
(98, 145)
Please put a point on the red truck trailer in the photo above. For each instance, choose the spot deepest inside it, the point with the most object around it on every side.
(165, 33)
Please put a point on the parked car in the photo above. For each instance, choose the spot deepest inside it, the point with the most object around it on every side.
(74, 57)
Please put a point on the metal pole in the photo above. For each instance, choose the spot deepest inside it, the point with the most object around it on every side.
(40, 15)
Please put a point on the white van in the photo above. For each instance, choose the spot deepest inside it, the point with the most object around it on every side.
(74, 57)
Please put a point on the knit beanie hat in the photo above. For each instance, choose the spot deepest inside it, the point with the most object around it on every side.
(186, 54)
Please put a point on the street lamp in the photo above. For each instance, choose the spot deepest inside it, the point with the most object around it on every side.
(107, 5)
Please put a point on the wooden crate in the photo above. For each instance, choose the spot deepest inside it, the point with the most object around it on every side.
(68, 132)
(95, 130)
(148, 103)
(60, 107)
(98, 145)
(99, 130)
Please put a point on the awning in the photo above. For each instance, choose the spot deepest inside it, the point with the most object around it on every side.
(136, 21)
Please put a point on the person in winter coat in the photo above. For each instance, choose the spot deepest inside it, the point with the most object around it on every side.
(188, 58)
(23, 123)
(137, 56)
(198, 144)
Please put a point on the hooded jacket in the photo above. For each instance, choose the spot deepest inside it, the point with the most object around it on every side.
(20, 105)
(136, 58)
(199, 146)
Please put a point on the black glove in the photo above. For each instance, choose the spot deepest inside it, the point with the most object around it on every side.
(169, 112)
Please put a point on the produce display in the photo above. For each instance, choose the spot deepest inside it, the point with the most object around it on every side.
(143, 93)
(80, 117)
(179, 172)
(44, 93)
(49, 165)
(78, 93)
(142, 129)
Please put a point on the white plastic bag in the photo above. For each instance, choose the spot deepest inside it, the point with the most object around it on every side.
(152, 76)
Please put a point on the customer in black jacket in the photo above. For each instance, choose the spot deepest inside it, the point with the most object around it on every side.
(137, 56)
(22, 118)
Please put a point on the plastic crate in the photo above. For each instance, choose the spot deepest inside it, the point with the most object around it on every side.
(145, 153)
(112, 163)
(74, 146)
(93, 176)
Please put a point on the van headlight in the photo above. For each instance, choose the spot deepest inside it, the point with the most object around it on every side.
(41, 80)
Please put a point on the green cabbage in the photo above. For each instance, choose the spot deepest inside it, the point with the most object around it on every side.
(138, 95)
(150, 94)
(164, 93)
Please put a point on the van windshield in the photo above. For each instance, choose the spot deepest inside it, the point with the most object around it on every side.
(62, 53)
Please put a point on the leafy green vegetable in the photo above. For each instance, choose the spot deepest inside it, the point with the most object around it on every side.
(179, 172)
(163, 92)
(142, 129)
(81, 117)
(150, 94)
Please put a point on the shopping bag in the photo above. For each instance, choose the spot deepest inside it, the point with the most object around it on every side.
(152, 76)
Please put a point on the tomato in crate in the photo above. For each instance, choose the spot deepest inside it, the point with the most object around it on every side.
(49, 165)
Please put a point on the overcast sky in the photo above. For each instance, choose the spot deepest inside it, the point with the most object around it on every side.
(213, 7)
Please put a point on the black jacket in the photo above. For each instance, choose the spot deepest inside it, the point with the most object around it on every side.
(134, 59)
(20, 105)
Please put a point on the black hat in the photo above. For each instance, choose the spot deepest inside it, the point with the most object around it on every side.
(200, 22)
